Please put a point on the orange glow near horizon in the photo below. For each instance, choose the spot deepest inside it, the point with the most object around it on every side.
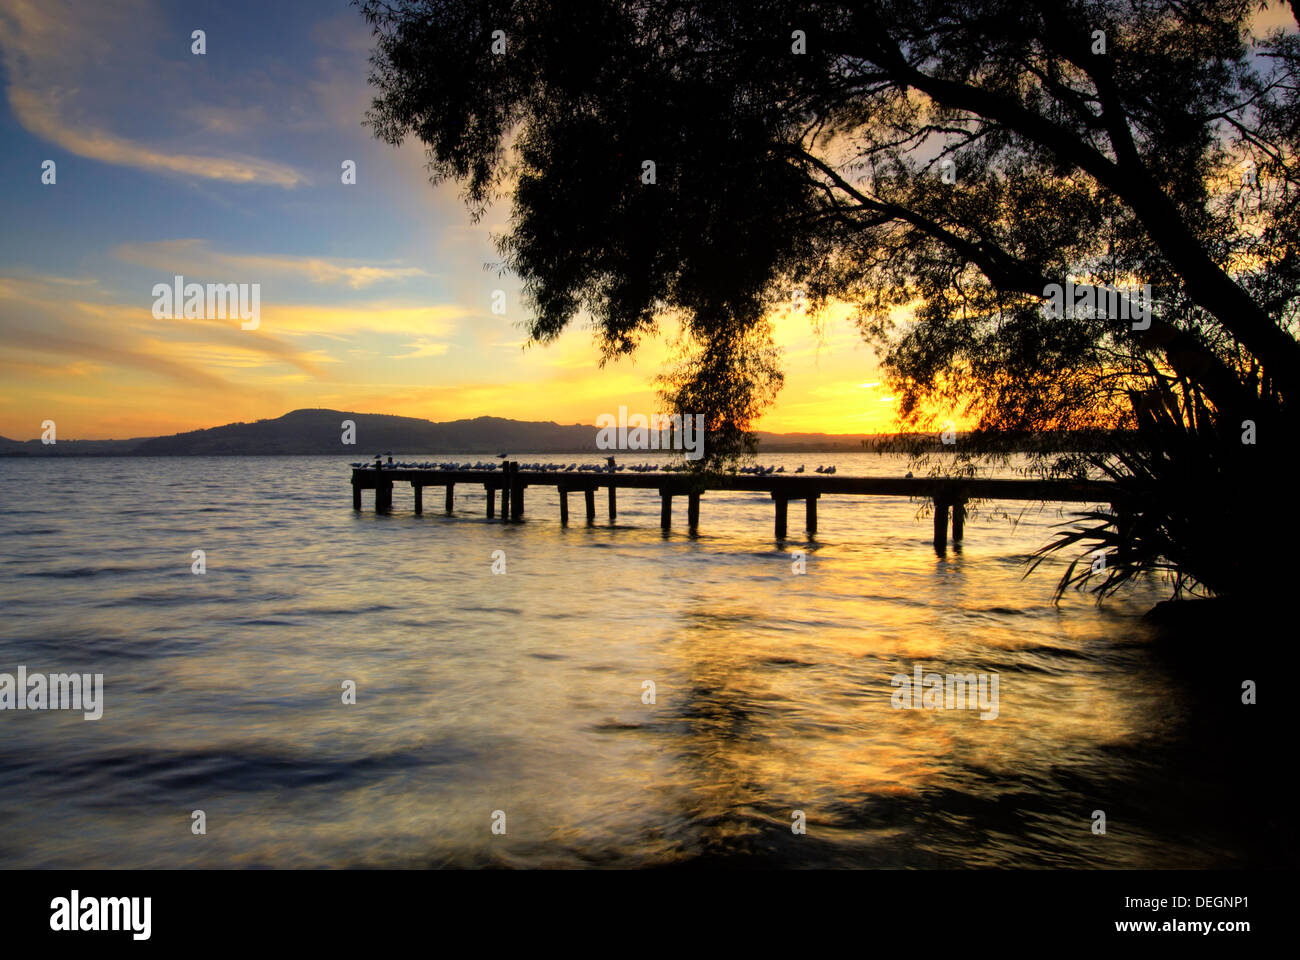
(437, 362)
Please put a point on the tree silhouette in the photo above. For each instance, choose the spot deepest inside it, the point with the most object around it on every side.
(937, 164)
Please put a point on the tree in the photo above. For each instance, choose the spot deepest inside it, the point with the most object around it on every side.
(950, 161)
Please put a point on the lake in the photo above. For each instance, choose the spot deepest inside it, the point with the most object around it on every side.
(521, 699)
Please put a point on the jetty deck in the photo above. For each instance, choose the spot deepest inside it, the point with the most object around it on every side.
(949, 495)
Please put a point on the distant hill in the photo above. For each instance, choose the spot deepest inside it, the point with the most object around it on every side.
(68, 448)
(810, 442)
(319, 431)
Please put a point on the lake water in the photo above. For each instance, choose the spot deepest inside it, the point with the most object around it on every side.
(522, 692)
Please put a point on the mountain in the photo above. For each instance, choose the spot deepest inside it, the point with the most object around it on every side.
(68, 448)
(320, 431)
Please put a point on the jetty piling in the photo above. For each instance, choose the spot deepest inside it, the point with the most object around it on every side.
(948, 495)
(940, 524)
(781, 504)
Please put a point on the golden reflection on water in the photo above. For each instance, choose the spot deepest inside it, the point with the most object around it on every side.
(523, 692)
(770, 728)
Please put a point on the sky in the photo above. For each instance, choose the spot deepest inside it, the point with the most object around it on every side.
(226, 167)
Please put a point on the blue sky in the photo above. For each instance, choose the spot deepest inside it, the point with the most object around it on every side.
(225, 167)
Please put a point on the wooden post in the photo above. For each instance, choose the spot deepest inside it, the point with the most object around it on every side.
(781, 504)
(516, 493)
(693, 511)
(419, 497)
(665, 510)
(940, 525)
(491, 500)
(505, 492)
(958, 520)
(383, 496)
(613, 504)
(590, 494)
(810, 514)
(564, 506)
(451, 496)
(356, 495)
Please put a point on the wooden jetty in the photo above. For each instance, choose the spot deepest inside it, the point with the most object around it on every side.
(948, 494)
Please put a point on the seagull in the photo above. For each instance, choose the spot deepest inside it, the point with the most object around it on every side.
(800, 470)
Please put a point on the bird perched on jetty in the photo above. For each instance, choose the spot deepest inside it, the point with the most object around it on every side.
(800, 470)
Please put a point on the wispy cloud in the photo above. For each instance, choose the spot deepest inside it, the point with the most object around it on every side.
(195, 257)
(43, 115)
(37, 316)
(62, 59)
(422, 348)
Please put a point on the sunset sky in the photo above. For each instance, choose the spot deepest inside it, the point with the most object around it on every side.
(225, 168)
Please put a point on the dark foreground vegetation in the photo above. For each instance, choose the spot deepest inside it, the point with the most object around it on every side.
(941, 165)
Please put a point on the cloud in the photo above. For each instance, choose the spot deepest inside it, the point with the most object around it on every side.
(99, 350)
(36, 315)
(67, 64)
(422, 348)
(194, 257)
(42, 114)
(356, 320)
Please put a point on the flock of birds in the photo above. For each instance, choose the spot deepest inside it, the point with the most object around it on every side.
(571, 468)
